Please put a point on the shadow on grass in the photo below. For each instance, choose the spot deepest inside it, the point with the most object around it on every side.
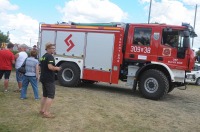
(113, 88)
(103, 87)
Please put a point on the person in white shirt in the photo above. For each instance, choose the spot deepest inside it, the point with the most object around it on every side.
(20, 58)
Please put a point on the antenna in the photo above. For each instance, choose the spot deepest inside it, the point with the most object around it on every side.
(194, 22)
(149, 11)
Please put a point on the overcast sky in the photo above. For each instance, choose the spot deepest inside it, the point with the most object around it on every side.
(22, 17)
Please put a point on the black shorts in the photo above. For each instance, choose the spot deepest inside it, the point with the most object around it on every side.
(6, 74)
(48, 89)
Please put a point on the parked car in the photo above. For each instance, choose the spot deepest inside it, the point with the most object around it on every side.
(193, 77)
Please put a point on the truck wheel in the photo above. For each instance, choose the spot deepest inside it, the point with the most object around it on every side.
(69, 75)
(153, 84)
(198, 82)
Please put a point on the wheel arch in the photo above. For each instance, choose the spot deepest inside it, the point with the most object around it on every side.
(78, 62)
(159, 66)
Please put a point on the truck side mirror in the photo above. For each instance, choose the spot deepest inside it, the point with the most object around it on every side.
(186, 42)
(186, 33)
(193, 34)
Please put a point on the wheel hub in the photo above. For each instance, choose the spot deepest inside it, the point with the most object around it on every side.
(67, 74)
(151, 85)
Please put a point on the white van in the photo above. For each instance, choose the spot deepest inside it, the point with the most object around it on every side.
(194, 76)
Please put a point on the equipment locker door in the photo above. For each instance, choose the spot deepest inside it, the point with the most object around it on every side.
(99, 57)
(99, 51)
(70, 43)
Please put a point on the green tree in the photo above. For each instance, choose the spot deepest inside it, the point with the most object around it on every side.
(198, 52)
(3, 38)
(198, 55)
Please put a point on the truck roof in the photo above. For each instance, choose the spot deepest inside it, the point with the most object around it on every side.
(158, 25)
(85, 26)
(111, 24)
(115, 26)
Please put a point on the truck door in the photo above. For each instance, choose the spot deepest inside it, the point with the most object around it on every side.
(171, 50)
(140, 45)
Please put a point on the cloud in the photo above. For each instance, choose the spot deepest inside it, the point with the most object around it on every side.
(26, 28)
(22, 28)
(191, 2)
(5, 5)
(92, 11)
(170, 12)
(144, 1)
(175, 12)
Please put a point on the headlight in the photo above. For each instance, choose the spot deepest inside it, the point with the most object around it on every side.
(190, 76)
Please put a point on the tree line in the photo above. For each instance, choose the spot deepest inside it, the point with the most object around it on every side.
(3, 38)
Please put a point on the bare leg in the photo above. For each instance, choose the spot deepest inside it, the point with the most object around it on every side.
(20, 85)
(47, 105)
(43, 101)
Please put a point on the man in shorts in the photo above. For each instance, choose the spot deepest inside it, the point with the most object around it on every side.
(6, 60)
(47, 78)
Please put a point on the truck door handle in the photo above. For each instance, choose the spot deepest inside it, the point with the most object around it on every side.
(132, 56)
(160, 58)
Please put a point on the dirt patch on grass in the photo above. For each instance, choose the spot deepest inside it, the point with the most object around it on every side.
(102, 107)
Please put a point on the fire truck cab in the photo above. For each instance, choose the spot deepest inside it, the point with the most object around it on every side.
(154, 57)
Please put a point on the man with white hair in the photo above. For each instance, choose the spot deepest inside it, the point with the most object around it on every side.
(20, 58)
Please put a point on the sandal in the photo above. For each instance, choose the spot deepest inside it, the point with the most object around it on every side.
(41, 112)
(17, 90)
(48, 115)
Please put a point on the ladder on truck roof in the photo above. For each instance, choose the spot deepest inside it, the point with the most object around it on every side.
(111, 24)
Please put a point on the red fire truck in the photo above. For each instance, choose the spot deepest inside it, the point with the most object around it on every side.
(151, 57)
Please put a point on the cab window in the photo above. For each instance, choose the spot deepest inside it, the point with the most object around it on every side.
(142, 36)
(171, 38)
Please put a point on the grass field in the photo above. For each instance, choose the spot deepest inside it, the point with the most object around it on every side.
(101, 107)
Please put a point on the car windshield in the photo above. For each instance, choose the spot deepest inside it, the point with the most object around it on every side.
(196, 68)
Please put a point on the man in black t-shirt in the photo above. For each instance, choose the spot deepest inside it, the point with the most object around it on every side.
(47, 78)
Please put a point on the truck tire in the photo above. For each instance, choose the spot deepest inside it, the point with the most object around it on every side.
(69, 75)
(198, 81)
(153, 84)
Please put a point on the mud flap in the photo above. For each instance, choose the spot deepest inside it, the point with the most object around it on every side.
(182, 87)
(134, 85)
